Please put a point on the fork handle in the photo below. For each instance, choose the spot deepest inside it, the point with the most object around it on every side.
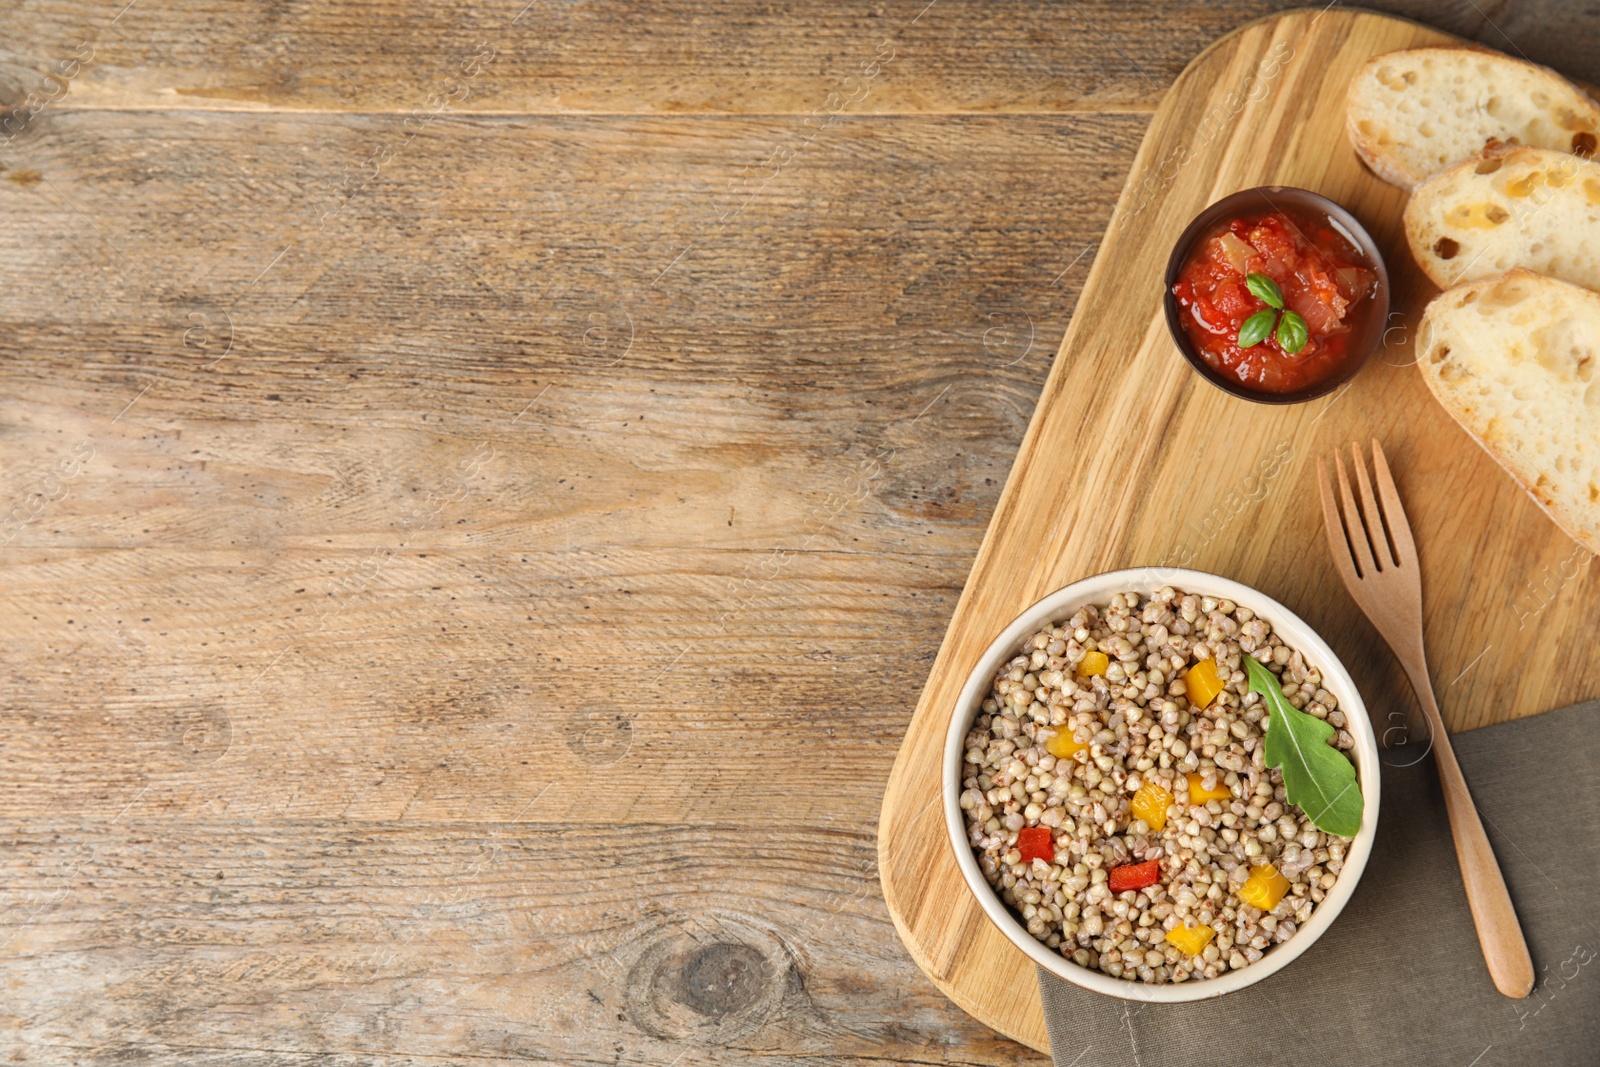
(1499, 933)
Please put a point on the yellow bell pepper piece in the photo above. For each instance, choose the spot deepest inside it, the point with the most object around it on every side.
(1093, 663)
(1202, 683)
(1150, 803)
(1264, 888)
(1191, 940)
(1199, 794)
(1062, 745)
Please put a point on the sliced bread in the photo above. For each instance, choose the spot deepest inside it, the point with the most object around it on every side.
(1413, 113)
(1516, 361)
(1514, 207)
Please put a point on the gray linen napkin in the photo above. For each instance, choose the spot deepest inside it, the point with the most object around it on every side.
(1398, 979)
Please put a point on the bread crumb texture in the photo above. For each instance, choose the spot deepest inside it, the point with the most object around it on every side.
(1514, 360)
(1418, 111)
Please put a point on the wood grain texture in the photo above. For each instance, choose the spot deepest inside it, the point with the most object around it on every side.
(702, 56)
(470, 508)
(498, 515)
(232, 942)
(585, 500)
(1168, 470)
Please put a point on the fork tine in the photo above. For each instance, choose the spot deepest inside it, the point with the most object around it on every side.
(1333, 524)
(1394, 514)
(1359, 546)
(1371, 514)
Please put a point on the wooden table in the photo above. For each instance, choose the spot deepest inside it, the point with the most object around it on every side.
(482, 487)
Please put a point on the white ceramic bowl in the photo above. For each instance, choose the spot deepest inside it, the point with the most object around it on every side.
(1145, 581)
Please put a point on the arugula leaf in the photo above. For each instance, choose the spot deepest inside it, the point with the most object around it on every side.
(1316, 776)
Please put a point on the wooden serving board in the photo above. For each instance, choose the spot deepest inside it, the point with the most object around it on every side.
(1132, 459)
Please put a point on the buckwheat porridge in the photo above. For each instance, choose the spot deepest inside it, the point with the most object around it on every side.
(1116, 794)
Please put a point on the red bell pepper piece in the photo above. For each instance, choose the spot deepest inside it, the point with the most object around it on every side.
(1134, 876)
(1036, 843)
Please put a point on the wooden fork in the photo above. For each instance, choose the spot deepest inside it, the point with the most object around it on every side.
(1380, 570)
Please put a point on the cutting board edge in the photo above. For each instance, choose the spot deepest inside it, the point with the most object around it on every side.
(926, 719)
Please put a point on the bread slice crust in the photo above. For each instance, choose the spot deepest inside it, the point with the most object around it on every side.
(1512, 207)
(1412, 113)
(1515, 360)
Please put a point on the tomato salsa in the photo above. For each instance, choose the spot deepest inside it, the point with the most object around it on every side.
(1318, 284)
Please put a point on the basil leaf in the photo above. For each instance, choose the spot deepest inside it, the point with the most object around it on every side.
(1265, 289)
(1256, 328)
(1292, 333)
(1316, 776)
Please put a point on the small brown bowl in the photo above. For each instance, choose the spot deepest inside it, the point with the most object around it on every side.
(1372, 315)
